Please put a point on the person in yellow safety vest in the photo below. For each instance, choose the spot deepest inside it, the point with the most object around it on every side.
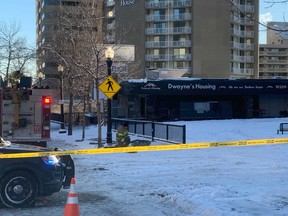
(122, 136)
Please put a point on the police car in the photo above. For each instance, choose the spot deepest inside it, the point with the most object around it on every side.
(24, 179)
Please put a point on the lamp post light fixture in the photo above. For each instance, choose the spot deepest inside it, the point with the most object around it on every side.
(62, 126)
(109, 54)
(40, 76)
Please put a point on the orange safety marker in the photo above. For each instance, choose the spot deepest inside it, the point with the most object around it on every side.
(72, 207)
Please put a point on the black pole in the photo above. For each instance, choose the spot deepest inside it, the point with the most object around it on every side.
(109, 120)
(62, 126)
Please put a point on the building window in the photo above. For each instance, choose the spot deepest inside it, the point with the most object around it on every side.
(179, 64)
(156, 52)
(177, 13)
(179, 38)
(178, 24)
(110, 14)
(159, 25)
(159, 38)
(68, 3)
(51, 2)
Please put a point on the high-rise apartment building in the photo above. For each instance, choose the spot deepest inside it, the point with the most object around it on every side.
(173, 38)
(273, 61)
(273, 56)
(185, 38)
(48, 22)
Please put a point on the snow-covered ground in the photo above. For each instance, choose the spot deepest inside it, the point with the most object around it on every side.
(224, 181)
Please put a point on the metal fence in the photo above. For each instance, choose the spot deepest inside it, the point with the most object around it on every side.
(76, 118)
(154, 130)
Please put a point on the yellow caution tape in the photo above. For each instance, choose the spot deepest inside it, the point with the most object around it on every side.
(148, 148)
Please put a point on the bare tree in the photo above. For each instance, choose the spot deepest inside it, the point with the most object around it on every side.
(14, 51)
(272, 3)
(256, 19)
(92, 61)
(80, 45)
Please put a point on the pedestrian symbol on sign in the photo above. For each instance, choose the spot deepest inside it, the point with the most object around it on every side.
(110, 84)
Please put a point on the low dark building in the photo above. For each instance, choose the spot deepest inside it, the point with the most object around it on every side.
(186, 99)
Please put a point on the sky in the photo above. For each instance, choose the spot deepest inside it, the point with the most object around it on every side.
(23, 12)
(222, 181)
(268, 13)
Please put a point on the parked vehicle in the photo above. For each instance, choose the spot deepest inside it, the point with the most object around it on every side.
(24, 179)
(25, 115)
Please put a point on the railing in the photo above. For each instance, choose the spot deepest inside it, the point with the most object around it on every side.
(242, 33)
(246, 71)
(176, 30)
(151, 57)
(186, 43)
(234, 57)
(154, 130)
(168, 4)
(245, 8)
(57, 118)
(242, 20)
(242, 45)
(165, 17)
(110, 3)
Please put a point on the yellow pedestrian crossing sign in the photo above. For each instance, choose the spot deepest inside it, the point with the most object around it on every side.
(109, 87)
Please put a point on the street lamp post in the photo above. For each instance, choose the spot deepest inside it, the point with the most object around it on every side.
(40, 76)
(109, 53)
(62, 126)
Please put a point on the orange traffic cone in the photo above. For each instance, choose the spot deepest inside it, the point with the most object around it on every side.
(72, 208)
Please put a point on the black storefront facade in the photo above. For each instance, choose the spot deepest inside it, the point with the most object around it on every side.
(191, 99)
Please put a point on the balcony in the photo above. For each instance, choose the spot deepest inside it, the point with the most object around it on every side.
(245, 71)
(110, 3)
(273, 61)
(181, 3)
(167, 4)
(160, 4)
(243, 21)
(170, 57)
(179, 30)
(111, 26)
(247, 59)
(153, 31)
(166, 44)
(240, 33)
(242, 46)
(111, 14)
(273, 53)
(110, 38)
(245, 8)
(278, 70)
(173, 17)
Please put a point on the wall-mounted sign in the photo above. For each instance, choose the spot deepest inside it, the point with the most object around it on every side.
(119, 68)
(127, 2)
(210, 86)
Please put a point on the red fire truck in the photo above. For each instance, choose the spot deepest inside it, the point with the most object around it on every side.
(25, 115)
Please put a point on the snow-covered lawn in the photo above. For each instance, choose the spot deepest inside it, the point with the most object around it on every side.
(221, 181)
